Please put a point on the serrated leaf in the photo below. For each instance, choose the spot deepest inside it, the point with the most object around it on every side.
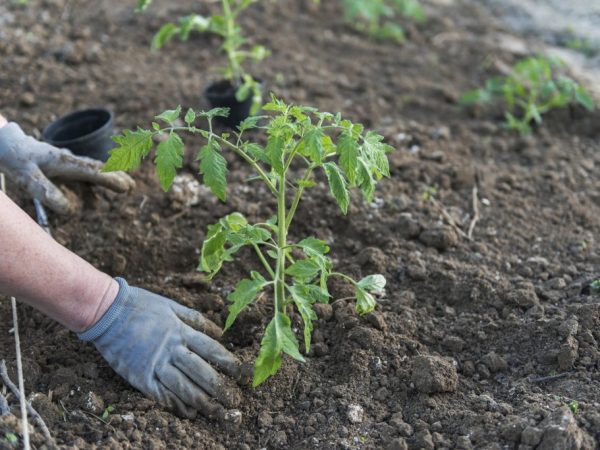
(303, 269)
(347, 148)
(169, 158)
(337, 186)
(213, 168)
(373, 283)
(365, 302)
(275, 149)
(215, 112)
(278, 339)
(584, 99)
(303, 302)
(256, 152)
(190, 117)
(365, 179)
(313, 246)
(169, 116)
(244, 293)
(313, 144)
(249, 123)
(213, 249)
(132, 146)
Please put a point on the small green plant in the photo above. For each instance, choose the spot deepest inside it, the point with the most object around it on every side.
(298, 138)
(11, 438)
(107, 412)
(595, 285)
(574, 406)
(379, 18)
(530, 90)
(234, 44)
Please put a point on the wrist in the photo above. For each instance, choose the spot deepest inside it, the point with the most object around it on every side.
(98, 298)
(3, 121)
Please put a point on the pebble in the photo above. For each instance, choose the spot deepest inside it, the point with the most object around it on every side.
(355, 413)
(494, 362)
(323, 310)
(264, 419)
(569, 327)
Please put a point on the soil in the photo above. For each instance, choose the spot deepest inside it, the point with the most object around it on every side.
(478, 343)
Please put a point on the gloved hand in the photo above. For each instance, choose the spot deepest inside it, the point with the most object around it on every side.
(163, 349)
(28, 162)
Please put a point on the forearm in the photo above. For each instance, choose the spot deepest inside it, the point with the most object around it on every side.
(2, 121)
(39, 271)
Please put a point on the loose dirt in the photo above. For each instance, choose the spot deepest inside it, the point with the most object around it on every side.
(482, 343)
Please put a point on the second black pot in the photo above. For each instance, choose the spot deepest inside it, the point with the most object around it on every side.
(86, 133)
(221, 94)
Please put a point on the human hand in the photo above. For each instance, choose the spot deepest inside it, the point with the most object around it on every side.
(29, 162)
(163, 349)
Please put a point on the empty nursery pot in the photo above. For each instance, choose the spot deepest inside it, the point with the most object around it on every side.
(85, 133)
(221, 94)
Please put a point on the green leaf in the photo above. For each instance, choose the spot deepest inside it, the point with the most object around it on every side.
(584, 98)
(213, 249)
(373, 283)
(278, 339)
(244, 293)
(213, 168)
(365, 179)
(170, 115)
(337, 186)
(249, 123)
(165, 34)
(142, 5)
(313, 246)
(365, 302)
(169, 158)
(303, 302)
(475, 96)
(347, 148)
(132, 146)
(303, 269)
(190, 117)
(257, 152)
(275, 149)
(313, 144)
(215, 112)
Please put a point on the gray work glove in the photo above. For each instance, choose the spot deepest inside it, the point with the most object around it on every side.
(163, 349)
(27, 162)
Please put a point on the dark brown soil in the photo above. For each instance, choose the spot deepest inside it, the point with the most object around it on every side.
(457, 352)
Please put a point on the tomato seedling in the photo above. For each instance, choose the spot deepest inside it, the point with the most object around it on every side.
(531, 89)
(234, 44)
(379, 18)
(296, 272)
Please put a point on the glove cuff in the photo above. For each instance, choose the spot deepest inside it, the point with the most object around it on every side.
(10, 134)
(115, 310)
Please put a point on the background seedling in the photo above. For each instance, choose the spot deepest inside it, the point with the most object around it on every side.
(379, 18)
(296, 136)
(530, 90)
(234, 44)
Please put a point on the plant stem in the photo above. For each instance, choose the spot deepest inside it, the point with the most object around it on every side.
(229, 44)
(298, 196)
(281, 250)
(344, 276)
(263, 260)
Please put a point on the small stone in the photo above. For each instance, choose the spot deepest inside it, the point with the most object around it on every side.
(433, 374)
(323, 310)
(524, 298)
(355, 413)
(280, 439)
(562, 432)
(28, 99)
(441, 238)
(377, 320)
(93, 403)
(555, 284)
(494, 362)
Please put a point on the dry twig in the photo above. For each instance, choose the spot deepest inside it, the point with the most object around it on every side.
(475, 212)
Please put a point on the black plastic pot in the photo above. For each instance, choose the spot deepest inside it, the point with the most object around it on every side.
(85, 133)
(221, 94)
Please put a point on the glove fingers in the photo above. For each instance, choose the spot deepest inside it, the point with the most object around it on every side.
(206, 377)
(196, 320)
(39, 187)
(79, 168)
(181, 387)
(213, 352)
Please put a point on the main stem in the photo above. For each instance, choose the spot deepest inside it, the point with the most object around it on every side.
(229, 46)
(281, 247)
